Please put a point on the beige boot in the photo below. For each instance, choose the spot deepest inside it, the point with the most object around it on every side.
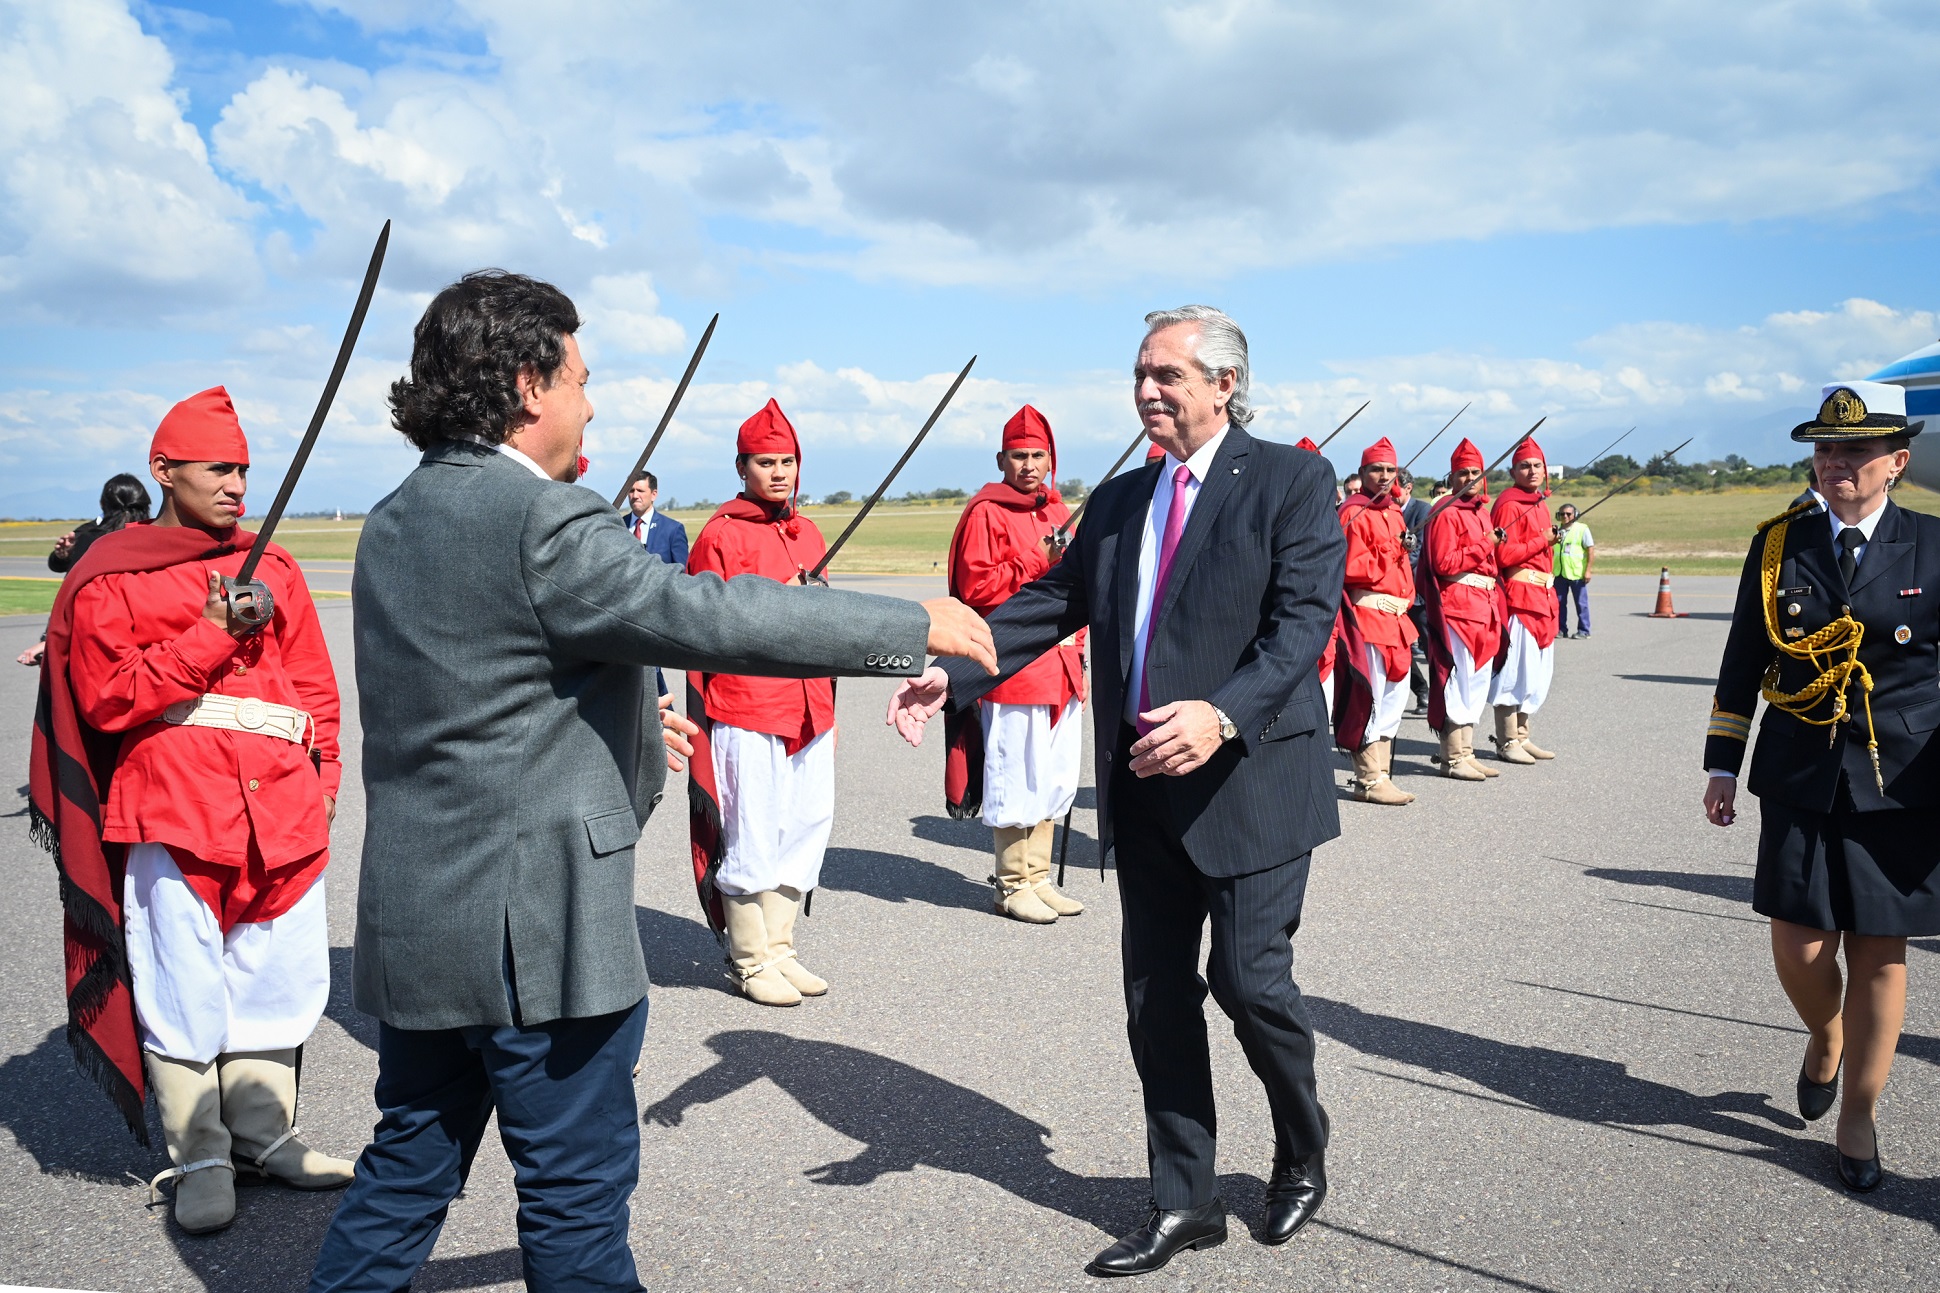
(188, 1097)
(1043, 850)
(749, 961)
(779, 908)
(1371, 784)
(1455, 759)
(1508, 743)
(259, 1106)
(1016, 894)
(1529, 747)
(1468, 754)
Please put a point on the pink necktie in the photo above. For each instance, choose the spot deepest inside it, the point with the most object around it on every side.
(1175, 524)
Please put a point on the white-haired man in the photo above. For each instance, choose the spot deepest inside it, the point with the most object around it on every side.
(1209, 579)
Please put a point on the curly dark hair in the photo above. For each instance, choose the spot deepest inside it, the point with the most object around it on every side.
(475, 338)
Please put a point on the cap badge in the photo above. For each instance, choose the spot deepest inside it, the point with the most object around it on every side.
(1842, 408)
(1902, 635)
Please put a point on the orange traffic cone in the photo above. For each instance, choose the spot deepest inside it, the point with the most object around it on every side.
(1665, 611)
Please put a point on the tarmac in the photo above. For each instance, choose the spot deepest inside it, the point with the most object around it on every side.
(1551, 1045)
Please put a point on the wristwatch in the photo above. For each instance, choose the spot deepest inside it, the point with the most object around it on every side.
(1228, 729)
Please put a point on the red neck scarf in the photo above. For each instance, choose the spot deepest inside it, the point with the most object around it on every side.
(780, 515)
(69, 771)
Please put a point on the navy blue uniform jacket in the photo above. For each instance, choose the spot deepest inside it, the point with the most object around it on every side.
(1248, 607)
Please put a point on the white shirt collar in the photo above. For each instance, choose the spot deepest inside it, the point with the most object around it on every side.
(1201, 460)
(1865, 526)
(511, 453)
(646, 517)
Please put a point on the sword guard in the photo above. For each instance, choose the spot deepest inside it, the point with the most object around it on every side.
(814, 581)
(251, 605)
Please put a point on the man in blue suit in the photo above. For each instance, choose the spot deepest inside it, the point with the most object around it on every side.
(663, 536)
(1209, 578)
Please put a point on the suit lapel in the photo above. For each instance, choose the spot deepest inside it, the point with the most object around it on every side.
(1813, 561)
(1222, 477)
(1131, 542)
(1884, 550)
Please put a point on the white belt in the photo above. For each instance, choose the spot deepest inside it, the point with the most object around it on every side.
(1541, 578)
(1471, 580)
(1383, 602)
(243, 714)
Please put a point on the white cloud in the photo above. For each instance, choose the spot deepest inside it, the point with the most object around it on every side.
(106, 193)
(623, 311)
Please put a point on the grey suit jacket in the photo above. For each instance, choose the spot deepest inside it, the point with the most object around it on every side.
(510, 758)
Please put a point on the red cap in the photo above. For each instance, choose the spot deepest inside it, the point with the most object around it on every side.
(1465, 455)
(202, 428)
(1307, 443)
(768, 431)
(1027, 429)
(1530, 449)
(1381, 451)
(1154, 453)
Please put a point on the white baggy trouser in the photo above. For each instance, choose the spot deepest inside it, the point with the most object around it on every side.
(1466, 694)
(1523, 680)
(777, 809)
(1030, 764)
(1390, 699)
(199, 992)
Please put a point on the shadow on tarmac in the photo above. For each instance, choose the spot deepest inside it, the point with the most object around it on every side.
(911, 1118)
(1586, 1089)
(1731, 888)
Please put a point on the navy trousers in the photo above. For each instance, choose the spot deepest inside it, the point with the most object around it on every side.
(1168, 904)
(569, 1122)
(1575, 591)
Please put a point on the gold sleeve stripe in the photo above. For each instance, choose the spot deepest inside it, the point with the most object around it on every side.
(1736, 727)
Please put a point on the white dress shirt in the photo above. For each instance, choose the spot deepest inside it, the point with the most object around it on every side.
(511, 453)
(645, 521)
(1156, 515)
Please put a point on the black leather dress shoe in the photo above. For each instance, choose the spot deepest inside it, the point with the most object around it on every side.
(1293, 1194)
(1816, 1098)
(1167, 1234)
(1861, 1175)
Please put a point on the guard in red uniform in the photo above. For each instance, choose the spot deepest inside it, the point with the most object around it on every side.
(1326, 667)
(1524, 560)
(1380, 589)
(763, 772)
(1462, 601)
(212, 751)
(1032, 742)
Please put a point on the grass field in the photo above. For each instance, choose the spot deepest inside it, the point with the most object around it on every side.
(1694, 534)
(27, 596)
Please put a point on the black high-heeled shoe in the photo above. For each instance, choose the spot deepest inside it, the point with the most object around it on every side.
(1861, 1175)
(1816, 1098)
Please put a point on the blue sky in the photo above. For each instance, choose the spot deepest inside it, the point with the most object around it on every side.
(1606, 213)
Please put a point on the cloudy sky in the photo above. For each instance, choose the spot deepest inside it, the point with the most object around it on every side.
(1685, 217)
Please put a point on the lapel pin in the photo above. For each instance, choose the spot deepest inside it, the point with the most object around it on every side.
(1902, 635)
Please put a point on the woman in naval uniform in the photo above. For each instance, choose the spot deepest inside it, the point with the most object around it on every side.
(1837, 626)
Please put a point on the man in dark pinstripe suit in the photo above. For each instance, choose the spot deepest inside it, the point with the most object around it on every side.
(1209, 579)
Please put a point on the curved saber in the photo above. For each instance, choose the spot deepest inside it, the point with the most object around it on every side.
(1627, 484)
(1342, 427)
(1064, 530)
(1606, 450)
(667, 417)
(249, 601)
(876, 497)
(1438, 435)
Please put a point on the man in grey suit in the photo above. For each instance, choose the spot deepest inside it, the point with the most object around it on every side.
(511, 757)
(1210, 579)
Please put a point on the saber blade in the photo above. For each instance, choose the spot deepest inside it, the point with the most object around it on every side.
(1463, 492)
(1627, 484)
(667, 417)
(1065, 529)
(1342, 427)
(890, 479)
(250, 602)
(1438, 435)
(1606, 450)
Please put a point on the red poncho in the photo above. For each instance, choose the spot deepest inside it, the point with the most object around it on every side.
(1377, 563)
(125, 640)
(1458, 541)
(1524, 518)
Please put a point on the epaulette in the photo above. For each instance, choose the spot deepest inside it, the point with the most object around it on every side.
(1797, 509)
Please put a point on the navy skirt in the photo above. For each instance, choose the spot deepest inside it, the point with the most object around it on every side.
(1864, 873)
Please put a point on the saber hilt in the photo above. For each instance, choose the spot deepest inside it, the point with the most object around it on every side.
(251, 604)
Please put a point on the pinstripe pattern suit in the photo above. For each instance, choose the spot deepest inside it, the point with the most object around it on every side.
(1249, 604)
